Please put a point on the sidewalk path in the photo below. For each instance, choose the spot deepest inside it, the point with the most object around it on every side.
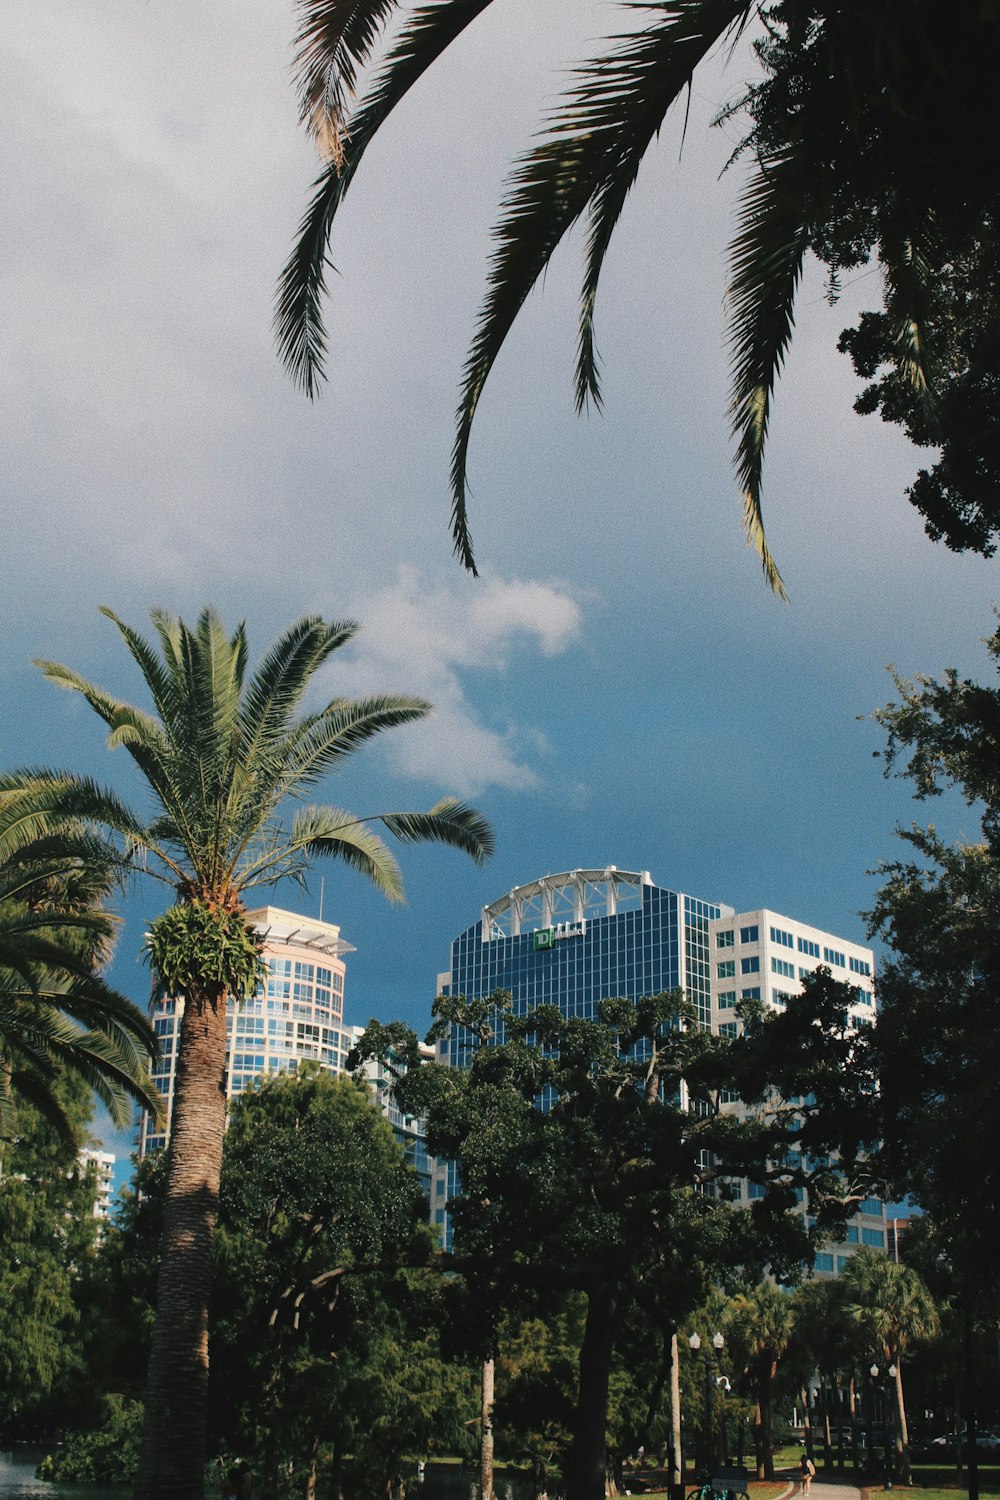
(833, 1489)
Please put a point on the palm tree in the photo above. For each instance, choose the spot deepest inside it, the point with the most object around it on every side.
(893, 1307)
(858, 135)
(759, 1327)
(223, 755)
(56, 1012)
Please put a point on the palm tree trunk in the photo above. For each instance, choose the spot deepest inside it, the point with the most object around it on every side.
(768, 1371)
(902, 1431)
(486, 1430)
(173, 1449)
(677, 1458)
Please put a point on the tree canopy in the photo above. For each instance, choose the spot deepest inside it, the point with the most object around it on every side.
(938, 913)
(598, 1155)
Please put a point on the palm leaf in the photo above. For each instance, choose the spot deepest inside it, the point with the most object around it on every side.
(631, 93)
(334, 39)
(598, 134)
(279, 683)
(333, 833)
(298, 319)
(339, 729)
(448, 822)
(766, 265)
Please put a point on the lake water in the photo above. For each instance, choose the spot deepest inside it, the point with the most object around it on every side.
(442, 1482)
(18, 1482)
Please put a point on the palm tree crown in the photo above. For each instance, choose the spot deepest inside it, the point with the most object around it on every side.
(56, 1012)
(226, 751)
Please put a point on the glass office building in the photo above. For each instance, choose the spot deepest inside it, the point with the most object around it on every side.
(573, 939)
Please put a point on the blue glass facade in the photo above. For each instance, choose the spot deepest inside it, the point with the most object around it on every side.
(661, 943)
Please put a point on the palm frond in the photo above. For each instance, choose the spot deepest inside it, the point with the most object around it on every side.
(448, 822)
(633, 91)
(34, 1085)
(335, 38)
(298, 318)
(338, 730)
(766, 265)
(279, 682)
(161, 683)
(333, 833)
(602, 128)
(40, 1032)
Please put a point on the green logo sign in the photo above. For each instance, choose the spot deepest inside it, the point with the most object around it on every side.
(545, 937)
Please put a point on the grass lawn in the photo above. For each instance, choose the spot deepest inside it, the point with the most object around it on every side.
(990, 1486)
(938, 1482)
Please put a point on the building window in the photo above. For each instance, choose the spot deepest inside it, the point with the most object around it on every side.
(727, 1000)
(778, 966)
(823, 1262)
(749, 934)
(728, 1028)
(755, 1190)
(833, 957)
(724, 939)
(873, 1237)
(781, 997)
(871, 1206)
(858, 966)
(727, 969)
(778, 935)
(750, 965)
(753, 994)
(805, 946)
(851, 1234)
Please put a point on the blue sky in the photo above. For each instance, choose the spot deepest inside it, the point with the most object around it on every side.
(618, 687)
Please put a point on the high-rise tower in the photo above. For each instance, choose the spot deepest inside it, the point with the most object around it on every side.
(298, 1014)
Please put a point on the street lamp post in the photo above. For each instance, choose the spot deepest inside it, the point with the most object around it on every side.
(887, 1379)
(710, 1373)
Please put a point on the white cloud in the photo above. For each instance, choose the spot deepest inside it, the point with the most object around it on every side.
(421, 641)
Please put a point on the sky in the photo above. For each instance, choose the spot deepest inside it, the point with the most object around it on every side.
(618, 686)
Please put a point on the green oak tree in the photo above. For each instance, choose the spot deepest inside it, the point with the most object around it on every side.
(227, 756)
(858, 123)
(318, 1209)
(47, 1237)
(938, 913)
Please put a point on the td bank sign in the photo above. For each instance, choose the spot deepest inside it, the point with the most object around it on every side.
(547, 937)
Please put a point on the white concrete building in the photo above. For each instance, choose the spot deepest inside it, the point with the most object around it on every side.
(298, 1014)
(103, 1163)
(761, 955)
